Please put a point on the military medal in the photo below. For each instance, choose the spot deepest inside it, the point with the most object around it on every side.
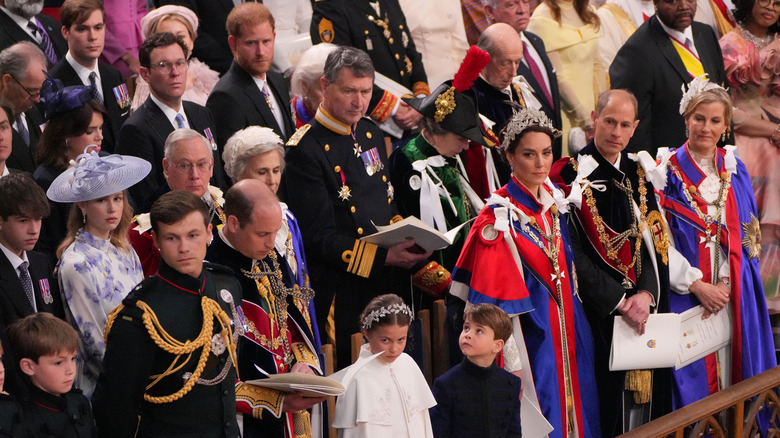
(210, 138)
(344, 192)
(390, 190)
(45, 291)
(122, 96)
(226, 296)
(368, 163)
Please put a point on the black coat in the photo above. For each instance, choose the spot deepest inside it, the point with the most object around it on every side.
(11, 425)
(349, 25)
(144, 134)
(14, 305)
(649, 66)
(473, 401)
(211, 45)
(339, 263)
(66, 416)
(109, 78)
(237, 103)
(23, 156)
(132, 357)
(553, 112)
(11, 33)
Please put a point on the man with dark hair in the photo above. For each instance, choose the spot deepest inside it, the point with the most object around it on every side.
(164, 65)
(249, 93)
(6, 139)
(666, 52)
(83, 26)
(22, 20)
(27, 283)
(175, 376)
(337, 184)
(22, 68)
(246, 244)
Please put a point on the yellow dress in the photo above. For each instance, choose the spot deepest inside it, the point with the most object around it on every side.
(573, 49)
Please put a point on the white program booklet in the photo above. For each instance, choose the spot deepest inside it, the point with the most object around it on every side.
(700, 337)
(657, 348)
(424, 235)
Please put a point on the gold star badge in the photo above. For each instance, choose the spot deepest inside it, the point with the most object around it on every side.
(345, 193)
(751, 238)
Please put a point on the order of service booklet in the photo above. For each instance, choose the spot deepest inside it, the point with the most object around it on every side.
(309, 385)
(424, 235)
(656, 348)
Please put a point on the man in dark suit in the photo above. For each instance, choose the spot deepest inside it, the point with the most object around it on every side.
(27, 283)
(650, 66)
(163, 60)
(535, 67)
(21, 20)
(211, 45)
(22, 68)
(83, 25)
(249, 94)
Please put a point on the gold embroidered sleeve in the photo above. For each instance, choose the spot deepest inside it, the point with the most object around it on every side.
(384, 108)
(421, 88)
(360, 259)
(304, 355)
(260, 399)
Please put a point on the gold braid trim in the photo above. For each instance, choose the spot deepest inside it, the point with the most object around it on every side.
(384, 108)
(169, 344)
(260, 398)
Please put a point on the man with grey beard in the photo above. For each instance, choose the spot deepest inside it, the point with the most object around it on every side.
(21, 20)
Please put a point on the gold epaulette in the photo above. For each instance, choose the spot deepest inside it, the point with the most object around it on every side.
(295, 138)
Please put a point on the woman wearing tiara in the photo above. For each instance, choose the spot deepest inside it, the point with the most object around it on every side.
(714, 223)
(518, 256)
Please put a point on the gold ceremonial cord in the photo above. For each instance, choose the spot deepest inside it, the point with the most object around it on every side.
(211, 311)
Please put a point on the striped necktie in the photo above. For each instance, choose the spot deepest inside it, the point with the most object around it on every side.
(36, 29)
(93, 82)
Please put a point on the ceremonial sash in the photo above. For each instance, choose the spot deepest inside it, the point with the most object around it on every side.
(623, 20)
(692, 62)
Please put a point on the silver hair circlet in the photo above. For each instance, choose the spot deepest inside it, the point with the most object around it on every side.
(380, 313)
(521, 120)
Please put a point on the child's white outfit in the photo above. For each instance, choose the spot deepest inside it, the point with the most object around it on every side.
(383, 400)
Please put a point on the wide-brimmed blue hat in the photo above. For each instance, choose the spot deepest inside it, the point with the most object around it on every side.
(93, 177)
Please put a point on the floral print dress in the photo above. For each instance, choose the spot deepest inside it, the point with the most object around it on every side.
(94, 276)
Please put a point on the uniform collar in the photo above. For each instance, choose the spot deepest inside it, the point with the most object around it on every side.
(476, 370)
(331, 123)
(181, 281)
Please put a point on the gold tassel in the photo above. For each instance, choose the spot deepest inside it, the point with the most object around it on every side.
(640, 381)
(301, 424)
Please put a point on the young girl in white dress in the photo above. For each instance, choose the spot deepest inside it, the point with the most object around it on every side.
(386, 394)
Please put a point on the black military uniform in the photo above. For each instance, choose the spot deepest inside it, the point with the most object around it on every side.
(337, 186)
(264, 323)
(602, 284)
(10, 417)
(132, 358)
(383, 35)
(66, 416)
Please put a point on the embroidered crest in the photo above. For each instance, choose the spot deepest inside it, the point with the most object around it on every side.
(751, 237)
(445, 105)
(226, 296)
(122, 96)
(45, 290)
(651, 343)
(295, 138)
(660, 234)
(326, 30)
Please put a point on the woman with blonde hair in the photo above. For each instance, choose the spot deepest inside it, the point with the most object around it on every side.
(97, 267)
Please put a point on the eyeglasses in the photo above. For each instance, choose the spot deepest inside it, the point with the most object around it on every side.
(167, 67)
(34, 93)
(769, 3)
(186, 166)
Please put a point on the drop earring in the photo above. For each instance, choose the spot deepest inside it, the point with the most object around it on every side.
(687, 133)
(84, 216)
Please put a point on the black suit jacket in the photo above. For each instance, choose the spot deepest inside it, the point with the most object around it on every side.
(14, 306)
(144, 134)
(211, 45)
(11, 33)
(22, 156)
(236, 103)
(109, 78)
(553, 112)
(649, 66)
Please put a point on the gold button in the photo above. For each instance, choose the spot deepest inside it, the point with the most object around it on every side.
(352, 209)
(327, 147)
(389, 201)
(368, 135)
(400, 26)
(337, 169)
(366, 31)
(384, 178)
(391, 40)
(402, 73)
(397, 56)
(360, 230)
(692, 189)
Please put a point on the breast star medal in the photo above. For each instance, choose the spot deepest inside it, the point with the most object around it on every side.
(345, 193)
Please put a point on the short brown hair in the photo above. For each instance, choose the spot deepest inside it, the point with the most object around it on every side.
(491, 316)
(248, 14)
(77, 11)
(41, 334)
(173, 206)
(22, 196)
